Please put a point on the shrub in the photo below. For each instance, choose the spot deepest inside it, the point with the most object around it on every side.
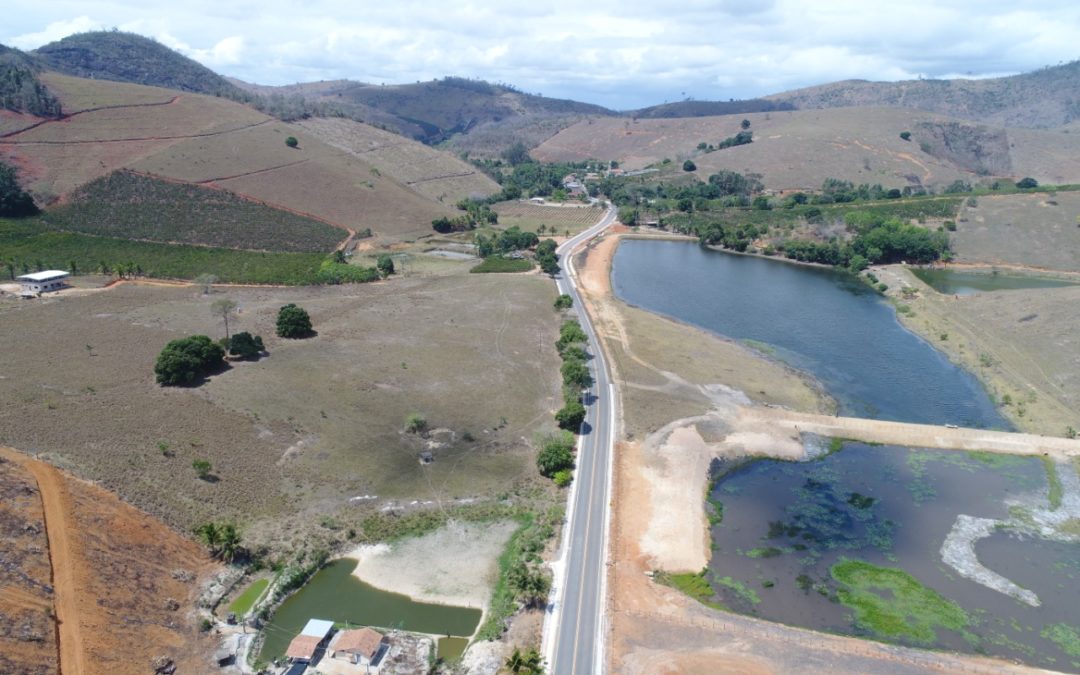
(571, 416)
(385, 265)
(906, 135)
(689, 166)
(293, 322)
(292, 142)
(1027, 183)
(245, 345)
(562, 478)
(202, 467)
(415, 423)
(185, 359)
(556, 454)
(564, 301)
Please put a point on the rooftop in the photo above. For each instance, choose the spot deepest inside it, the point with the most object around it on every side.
(303, 647)
(361, 641)
(47, 275)
(319, 628)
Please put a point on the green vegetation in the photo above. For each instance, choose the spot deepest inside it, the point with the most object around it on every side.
(763, 552)
(500, 265)
(571, 415)
(184, 360)
(689, 165)
(695, 585)
(14, 201)
(1028, 183)
(291, 141)
(564, 301)
(746, 594)
(128, 205)
(894, 605)
(415, 423)
(527, 662)
(20, 89)
(522, 576)
(741, 138)
(293, 322)
(223, 541)
(385, 264)
(246, 600)
(546, 256)
(563, 478)
(1063, 635)
(332, 272)
(202, 467)
(905, 135)
(244, 345)
(556, 453)
(1056, 491)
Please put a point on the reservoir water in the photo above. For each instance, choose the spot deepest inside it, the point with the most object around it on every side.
(956, 282)
(856, 541)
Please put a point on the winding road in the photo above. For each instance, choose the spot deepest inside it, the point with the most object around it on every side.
(575, 627)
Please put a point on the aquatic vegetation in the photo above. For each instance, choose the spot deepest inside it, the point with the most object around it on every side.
(1054, 481)
(764, 552)
(693, 584)
(893, 604)
(740, 589)
(1065, 636)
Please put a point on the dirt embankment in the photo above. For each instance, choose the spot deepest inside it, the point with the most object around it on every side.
(667, 371)
(121, 585)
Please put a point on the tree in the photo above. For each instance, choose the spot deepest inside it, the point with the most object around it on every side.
(745, 124)
(209, 534)
(385, 265)
(292, 142)
(564, 301)
(293, 322)
(415, 423)
(576, 375)
(527, 663)
(549, 264)
(202, 467)
(245, 345)
(516, 154)
(688, 165)
(204, 280)
(1027, 183)
(14, 201)
(230, 543)
(571, 416)
(906, 135)
(185, 359)
(224, 308)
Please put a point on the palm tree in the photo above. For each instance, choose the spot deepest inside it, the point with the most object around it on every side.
(229, 545)
(210, 536)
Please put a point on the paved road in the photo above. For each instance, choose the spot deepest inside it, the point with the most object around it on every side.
(579, 594)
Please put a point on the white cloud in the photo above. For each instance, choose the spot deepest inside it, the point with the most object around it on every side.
(621, 53)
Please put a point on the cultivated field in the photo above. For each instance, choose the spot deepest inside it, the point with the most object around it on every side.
(293, 437)
(131, 206)
(799, 149)
(120, 583)
(555, 219)
(1035, 230)
(437, 175)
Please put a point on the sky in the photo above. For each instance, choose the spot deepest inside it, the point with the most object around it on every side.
(621, 54)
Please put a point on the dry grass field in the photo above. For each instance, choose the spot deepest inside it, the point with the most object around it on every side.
(799, 149)
(437, 175)
(1035, 230)
(558, 219)
(294, 436)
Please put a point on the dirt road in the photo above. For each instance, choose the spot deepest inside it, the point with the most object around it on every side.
(55, 502)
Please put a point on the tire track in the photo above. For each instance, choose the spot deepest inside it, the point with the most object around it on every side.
(62, 117)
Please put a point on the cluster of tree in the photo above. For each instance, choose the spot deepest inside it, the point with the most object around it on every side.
(20, 89)
(529, 178)
(244, 345)
(876, 242)
(732, 187)
(509, 240)
(834, 190)
(332, 273)
(476, 213)
(575, 374)
(742, 138)
(528, 662)
(546, 256)
(184, 360)
(556, 453)
(14, 201)
(223, 541)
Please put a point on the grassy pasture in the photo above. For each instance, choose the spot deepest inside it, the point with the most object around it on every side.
(1037, 229)
(130, 206)
(294, 436)
(530, 217)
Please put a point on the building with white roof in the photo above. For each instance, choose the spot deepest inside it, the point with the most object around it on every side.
(42, 282)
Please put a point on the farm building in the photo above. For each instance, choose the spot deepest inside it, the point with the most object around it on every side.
(42, 282)
(362, 646)
(306, 645)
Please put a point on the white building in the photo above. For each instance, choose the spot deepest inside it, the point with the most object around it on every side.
(42, 282)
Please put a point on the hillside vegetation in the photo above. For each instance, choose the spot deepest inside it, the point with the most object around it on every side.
(1040, 99)
(127, 57)
(131, 206)
(20, 89)
(797, 149)
(710, 108)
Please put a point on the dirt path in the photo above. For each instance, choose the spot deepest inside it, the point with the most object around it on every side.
(56, 503)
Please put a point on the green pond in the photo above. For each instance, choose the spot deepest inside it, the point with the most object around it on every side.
(333, 593)
(955, 282)
(950, 550)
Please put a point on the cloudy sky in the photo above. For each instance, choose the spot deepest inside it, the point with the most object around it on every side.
(618, 53)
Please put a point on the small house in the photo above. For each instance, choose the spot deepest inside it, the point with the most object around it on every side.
(363, 646)
(312, 638)
(42, 282)
(536, 200)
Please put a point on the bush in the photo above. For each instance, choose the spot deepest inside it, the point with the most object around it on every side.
(564, 301)
(293, 322)
(1027, 183)
(571, 416)
(14, 201)
(202, 467)
(415, 423)
(245, 345)
(562, 478)
(385, 265)
(689, 166)
(185, 359)
(292, 142)
(906, 135)
(556, 454)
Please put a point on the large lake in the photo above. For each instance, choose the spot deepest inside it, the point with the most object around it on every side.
(852, 542)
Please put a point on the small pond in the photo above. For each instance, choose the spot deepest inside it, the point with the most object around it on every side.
(956, 282)
(854, 543)
(334, 593)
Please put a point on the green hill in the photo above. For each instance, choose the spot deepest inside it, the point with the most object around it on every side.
(127, 57)
(710, 108)
(20, 89)
(1049, 97)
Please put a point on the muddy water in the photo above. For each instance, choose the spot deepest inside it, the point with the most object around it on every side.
(786, 525)
(335, 594)
(955, 282)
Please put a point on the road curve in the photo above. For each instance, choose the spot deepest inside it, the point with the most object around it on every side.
(574, 633)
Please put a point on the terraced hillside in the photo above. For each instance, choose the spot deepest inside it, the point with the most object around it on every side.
(213, 141)
(796, 150)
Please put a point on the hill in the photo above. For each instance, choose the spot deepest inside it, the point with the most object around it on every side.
(127, 57)
(799, 149)
(1045, 98)
(20, 89)
(358, 178)
(709, 108)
